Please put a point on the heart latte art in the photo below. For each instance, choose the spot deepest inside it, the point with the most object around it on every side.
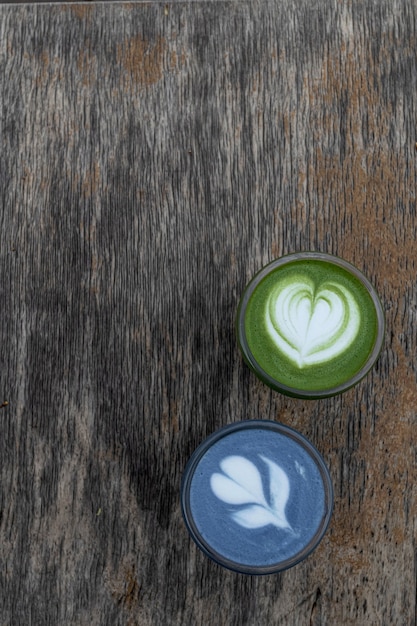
(312, 325)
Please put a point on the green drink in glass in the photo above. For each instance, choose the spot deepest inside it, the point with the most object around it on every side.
(310, 325)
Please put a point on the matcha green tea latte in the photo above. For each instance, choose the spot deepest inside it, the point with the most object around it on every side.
(310, 325)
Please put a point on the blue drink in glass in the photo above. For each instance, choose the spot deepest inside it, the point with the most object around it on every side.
(257, 497)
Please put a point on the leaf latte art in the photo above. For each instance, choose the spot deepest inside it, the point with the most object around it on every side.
(241, 484)
(312, 325)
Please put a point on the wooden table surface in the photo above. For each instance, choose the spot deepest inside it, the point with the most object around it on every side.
(153, 157)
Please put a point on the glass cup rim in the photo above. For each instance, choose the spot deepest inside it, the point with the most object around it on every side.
(263, 374)
(188, 474)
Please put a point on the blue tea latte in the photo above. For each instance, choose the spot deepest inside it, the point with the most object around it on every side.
(257, 497)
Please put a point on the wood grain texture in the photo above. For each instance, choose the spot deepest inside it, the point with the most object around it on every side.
(153, 158)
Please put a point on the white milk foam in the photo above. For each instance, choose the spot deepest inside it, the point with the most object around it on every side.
(241, 484)
(311, 326)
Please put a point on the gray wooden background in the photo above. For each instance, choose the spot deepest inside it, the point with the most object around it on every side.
(153, 157)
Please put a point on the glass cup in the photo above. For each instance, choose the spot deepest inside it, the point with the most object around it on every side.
(256, 497)
(310, 325)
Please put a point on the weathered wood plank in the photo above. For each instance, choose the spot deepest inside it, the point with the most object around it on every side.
(153, 158)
